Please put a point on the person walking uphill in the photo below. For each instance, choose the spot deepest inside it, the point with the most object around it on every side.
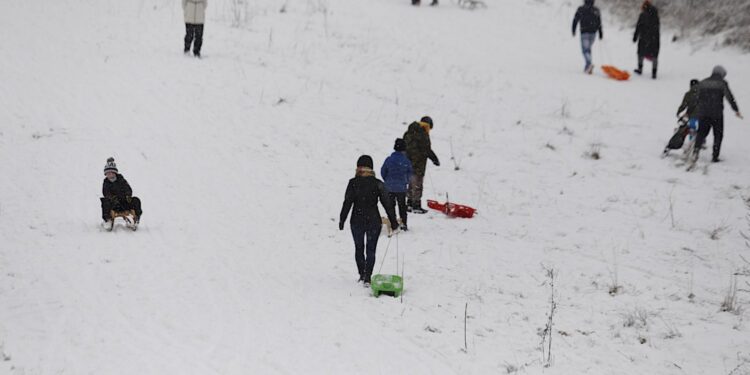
(363, 192)
(118, 195)
(396, 172)
(195, 16)
(710, 112)
(647, 35)
(418, 150)
(591, 22)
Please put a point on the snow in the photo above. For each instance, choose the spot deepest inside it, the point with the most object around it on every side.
(241, 160)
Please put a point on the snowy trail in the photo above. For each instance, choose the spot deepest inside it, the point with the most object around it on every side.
(241, 160)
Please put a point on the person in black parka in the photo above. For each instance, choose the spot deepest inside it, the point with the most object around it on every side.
(363, 192)
(647, 35)
(118, 195)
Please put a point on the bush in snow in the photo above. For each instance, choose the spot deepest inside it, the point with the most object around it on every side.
(728, 19)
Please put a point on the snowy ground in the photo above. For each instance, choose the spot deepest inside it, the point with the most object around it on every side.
(242, 158)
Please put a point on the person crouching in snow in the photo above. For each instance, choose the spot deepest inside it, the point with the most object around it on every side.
(363, 192)
(195, 16)
(591, 23)
(418, 149)
(118, 195)
(689, 105)
(647, 36)
(396, 172)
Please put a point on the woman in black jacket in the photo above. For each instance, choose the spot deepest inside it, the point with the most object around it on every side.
(647, 35)
(363, 192)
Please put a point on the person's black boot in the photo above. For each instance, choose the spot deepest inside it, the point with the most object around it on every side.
(417, 209)
(434, 3)
(367, 281)
(653, 74)
(639, 70)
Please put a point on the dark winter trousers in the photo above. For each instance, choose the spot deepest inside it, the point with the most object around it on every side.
(654, 64)
(705, 124)
(121, 204)
(416, 186)
(400, 200)
(365, 264)
(193, 32)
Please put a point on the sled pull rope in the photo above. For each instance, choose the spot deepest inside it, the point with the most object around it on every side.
(382, 261)
(397, 257)
(606, 58)
(403, 260)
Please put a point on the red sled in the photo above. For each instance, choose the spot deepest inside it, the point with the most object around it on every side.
(452, 209)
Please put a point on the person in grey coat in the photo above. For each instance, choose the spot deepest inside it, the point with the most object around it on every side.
(195, 16)
(710, 112)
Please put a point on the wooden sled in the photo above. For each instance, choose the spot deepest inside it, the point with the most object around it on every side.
(127, 215)
(387, 224)
(614, 73)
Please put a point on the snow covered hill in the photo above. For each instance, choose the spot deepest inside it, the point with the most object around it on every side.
(241, 160)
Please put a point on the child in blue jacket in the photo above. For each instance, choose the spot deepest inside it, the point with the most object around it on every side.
(396, 172)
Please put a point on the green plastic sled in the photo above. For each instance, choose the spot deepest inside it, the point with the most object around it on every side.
(388, 284)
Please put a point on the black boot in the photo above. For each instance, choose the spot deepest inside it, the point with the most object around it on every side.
(434, 3)
(417, 209)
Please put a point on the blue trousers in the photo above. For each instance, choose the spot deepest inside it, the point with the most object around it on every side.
(587, 41)
(365, 264)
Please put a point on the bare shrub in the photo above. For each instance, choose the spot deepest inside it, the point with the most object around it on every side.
(638, 318)
(718, 230)
(693, 19)
(729, 304)
(594, 152)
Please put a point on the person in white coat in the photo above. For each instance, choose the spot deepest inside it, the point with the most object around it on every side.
(195, 17)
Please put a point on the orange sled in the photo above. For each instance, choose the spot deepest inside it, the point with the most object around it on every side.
(452, 209)
(615, 73)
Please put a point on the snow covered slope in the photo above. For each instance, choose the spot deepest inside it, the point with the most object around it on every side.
(241, 160)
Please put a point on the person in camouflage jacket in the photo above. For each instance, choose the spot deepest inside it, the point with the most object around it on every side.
(418, 150)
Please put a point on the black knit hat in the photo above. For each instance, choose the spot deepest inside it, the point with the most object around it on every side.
(365, 161)
(400, 145)
(428, 120)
